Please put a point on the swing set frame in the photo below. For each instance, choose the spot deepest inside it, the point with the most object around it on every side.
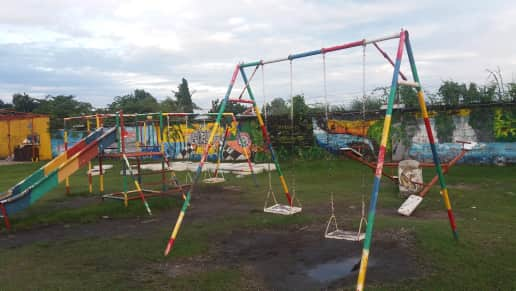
(404, 42)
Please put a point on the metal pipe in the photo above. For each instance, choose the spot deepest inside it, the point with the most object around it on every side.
(320, 51)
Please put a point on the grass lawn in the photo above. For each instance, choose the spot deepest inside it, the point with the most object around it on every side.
(129, 256)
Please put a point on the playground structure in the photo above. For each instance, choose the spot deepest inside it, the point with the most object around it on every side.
(410, 205)
(25, 136)
(129, 149)
(404, 42)
(150, 139)
(108, 138)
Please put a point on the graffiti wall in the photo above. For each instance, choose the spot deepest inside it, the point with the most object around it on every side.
(183, 141)
(232, 141)
(492, 130)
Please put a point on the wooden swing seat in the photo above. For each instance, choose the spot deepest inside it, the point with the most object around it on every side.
(282, 209)
(345, 235)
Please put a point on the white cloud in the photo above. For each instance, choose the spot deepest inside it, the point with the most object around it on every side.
(98, 49)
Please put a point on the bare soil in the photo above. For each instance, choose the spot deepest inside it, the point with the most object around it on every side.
(293, 258)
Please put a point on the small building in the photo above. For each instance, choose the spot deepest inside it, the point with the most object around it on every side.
(24, 136)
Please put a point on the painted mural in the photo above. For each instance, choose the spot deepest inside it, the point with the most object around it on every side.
(187, 142)
(182, 141)
(493, 130)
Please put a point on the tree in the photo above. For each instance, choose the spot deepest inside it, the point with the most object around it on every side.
(452, 93)
(169, 105)
(24, 103)
(4, 105)
(138, 102)
(277, 106)
(184, 98)
(370, 104)
(408, 96)
(496, 80)
(300, 108)
(235, 108)
(472, 95)
(61, 106)
(512, 91)
(488, 93)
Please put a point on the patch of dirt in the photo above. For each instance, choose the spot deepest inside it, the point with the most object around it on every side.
(209, 203)
(293, 258)
(302, 259)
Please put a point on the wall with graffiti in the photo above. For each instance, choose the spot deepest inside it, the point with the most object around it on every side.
(184, 141)
(491, 129)
(232, 141)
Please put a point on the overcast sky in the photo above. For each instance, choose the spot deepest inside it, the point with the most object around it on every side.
(98, 49)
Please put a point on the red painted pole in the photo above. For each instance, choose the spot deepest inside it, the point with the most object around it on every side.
(6, 218)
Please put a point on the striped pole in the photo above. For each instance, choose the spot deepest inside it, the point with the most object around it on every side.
(438, 168)
(140, 192)
(65, 141)
(101, 171)
(379, 168)
(198, 172)
(90, 181)
(266, 136)
(162, 150)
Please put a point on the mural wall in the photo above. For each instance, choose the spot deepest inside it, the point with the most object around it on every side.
(184, 141)
(492, 129)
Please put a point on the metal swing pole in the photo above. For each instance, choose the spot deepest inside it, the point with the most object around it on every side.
(379, 167)
(435, 155)
(198, 172)
(266, 136)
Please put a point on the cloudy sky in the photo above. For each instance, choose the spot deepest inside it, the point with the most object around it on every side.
(98, 49)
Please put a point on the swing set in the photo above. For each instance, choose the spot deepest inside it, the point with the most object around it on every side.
(404, 42)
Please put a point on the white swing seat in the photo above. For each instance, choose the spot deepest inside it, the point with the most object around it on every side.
(410, 205)
(282, 209)
(345, 235)
(214, 180)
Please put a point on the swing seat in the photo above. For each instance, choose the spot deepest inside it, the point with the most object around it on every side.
(214, 180)
(282, 209)
(410, 205)
(345, 235)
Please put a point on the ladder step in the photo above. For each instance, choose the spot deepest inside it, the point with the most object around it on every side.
(408, 83)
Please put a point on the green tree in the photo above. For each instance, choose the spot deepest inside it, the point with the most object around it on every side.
(370, 104)
(511, 89)
(4, 105)
(488, 93)
(472, 95)
(184, 98)
(24, 103)
(235, 108)
(169, 105)
(277, 106)
(408, 96)
(452, 93)
(138, 102)
(300, 108)
(61, 106)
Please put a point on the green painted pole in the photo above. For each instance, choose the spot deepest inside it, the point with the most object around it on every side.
(266, 137)
(435, 155)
